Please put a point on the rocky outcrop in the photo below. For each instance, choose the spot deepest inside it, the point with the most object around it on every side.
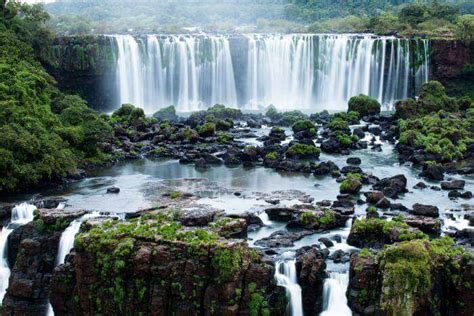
(311, 272)
(412, 278)
(162, 268)
(32, 254)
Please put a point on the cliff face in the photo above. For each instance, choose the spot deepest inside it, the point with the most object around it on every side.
(128, 274)
(32, 251)
(85, 66)
(412, 278)
(452, 64)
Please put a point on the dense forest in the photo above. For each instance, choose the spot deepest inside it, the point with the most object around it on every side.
(380, 16)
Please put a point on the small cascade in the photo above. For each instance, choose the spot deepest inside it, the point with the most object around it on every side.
(334, 295)
(21, 214)
(285, 274)
(67, 238)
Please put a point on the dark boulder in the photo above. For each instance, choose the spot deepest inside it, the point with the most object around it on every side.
(425, 210)
(393, 186)
(453, 185)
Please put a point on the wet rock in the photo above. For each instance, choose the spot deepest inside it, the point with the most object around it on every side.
(197, 217)
(433, 172)
(392, 187)
(51, 202)
(453, 185)
(282, 238)
(427, 225)
(454, 194)
(282, 214)
(374, 196)
(466, 195)
(326, 241)
(351, 169)
(325, 168)
(337, 238)
(398, 206)
(363, 284)
(425, 210)
(354, 160)
(339, 256)
(310, 271)
(383, 203)
(113, 190)
(359, 132)
(201, 164)
(420, 185)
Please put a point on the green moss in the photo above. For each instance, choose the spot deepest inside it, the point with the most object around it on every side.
(351, 184)
(380, 227)
(224, 138)
(304, 125)
(364, 105)
(271, 155)
(449, 136)
(175, 194)
(318, 220)
(303, 151)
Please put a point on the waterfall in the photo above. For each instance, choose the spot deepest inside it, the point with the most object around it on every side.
(334, 295)
(21, 214)
(190, 72)
(285, 274)
(312, 72)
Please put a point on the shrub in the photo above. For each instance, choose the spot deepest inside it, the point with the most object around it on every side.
(352, 184)
(304, 125)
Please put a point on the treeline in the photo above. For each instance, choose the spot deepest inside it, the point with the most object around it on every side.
(381, 16)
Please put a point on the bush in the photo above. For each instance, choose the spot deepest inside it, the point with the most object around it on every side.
(364, 105)
(129, 115)
(167, 113)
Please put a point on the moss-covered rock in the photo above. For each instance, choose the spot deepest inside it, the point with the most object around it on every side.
(303, 151)
(375, 232)
(413, 277)
(152, 264)
(364, 105)
(351, 184)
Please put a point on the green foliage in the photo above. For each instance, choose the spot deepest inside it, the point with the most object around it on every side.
(465, 28)
(166, 113)
(39, 144)
(364, 105)
(206, 130)
(271, 155)
(129, 115)
(303, 151)
(224, 138)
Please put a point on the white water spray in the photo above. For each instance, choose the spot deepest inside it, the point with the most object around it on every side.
(285, 274)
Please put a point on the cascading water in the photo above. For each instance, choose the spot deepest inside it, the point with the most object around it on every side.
(285, 274)
(21, 214)
(310, 72)
(190, 72)
(334, 295)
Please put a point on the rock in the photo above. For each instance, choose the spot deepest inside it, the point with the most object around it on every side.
(383, 203)
(453, 185)
(339, 256)
(425, 210)
(326, 241)
(354, 160)
(337, 238)
(351, 169)
(325, 168)
(433, 172)
(113, 190)
(197, 217)
(310, 271)
(466, 195)
(427, 225)
(282, 214)
(282, 238)
(420, 185)
(398, 206)
(49, 203)
(374, 196)
(454, 194)
(393, 186)
(363, 283)
(359, 133)
(201, 164)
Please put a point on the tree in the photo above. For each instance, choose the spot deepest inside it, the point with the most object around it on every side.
(465, 28)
